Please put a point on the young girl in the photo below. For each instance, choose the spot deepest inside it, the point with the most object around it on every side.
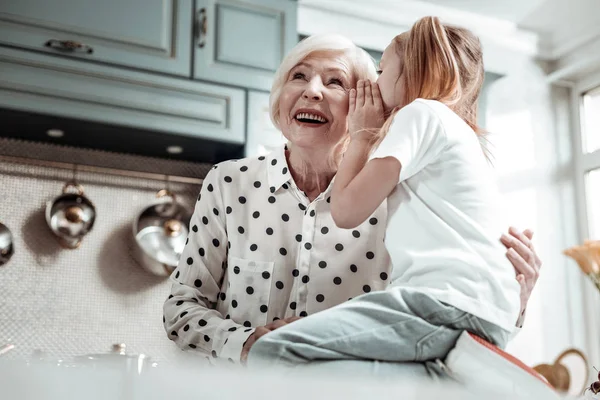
(450, 273)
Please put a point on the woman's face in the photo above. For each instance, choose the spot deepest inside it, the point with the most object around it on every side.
(314, 102)
(389, 82)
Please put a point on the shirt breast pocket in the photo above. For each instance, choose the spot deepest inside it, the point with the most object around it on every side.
(250, 288)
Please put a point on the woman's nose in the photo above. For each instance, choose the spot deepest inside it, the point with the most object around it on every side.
(313, 92)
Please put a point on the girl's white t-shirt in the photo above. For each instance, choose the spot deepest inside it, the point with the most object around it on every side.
(444, 220)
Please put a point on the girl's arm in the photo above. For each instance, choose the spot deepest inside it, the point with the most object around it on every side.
(361, 185)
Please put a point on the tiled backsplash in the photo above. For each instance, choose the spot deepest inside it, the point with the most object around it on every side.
(74, 302)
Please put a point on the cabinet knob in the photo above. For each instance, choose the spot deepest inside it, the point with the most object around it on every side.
(69, 45)
(201, 27)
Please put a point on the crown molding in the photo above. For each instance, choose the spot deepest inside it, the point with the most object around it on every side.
(561, 48)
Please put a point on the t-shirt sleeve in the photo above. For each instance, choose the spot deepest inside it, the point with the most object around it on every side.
(416, 138)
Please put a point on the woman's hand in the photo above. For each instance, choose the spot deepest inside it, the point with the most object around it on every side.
(526, 262)
(365, 110)
(261, 331)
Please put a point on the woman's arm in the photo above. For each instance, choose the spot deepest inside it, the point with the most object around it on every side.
(190, 317)
(361, 185)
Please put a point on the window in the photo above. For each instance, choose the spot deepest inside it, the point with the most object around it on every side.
(586, 145)
(591, 121)
(590, 158)
(592, 186)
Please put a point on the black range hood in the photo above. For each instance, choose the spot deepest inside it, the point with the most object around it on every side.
(99, 136)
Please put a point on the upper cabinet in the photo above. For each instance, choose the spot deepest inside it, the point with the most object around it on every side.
(148, 76)
(152, 35)
(242, 42)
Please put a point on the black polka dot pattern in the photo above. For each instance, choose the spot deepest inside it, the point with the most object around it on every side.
(280, 254)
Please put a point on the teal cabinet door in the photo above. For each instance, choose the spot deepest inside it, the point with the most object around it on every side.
(150, 35)
(242, 42)
(121, 97)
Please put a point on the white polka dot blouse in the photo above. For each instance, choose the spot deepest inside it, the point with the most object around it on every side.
(259, 250)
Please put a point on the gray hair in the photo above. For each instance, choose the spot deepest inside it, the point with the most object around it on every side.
(361, 63)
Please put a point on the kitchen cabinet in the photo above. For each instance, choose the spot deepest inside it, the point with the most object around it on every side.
(123, 98)
(143, 75)
(262, 136)
(242, 42)
(151, 35)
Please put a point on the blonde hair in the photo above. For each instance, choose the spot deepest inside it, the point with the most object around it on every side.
(444, 63)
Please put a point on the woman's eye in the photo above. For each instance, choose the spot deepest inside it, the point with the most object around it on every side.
(336, 81)
(379, 72)
(298, 75)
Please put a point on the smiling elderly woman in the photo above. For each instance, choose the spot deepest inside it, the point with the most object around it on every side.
(263, 248)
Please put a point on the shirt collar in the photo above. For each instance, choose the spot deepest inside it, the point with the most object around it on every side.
(278, 172)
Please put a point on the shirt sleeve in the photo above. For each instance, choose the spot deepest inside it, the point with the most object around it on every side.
(416, 138)
(190, 317)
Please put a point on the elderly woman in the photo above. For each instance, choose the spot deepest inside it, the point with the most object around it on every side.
(263, 248)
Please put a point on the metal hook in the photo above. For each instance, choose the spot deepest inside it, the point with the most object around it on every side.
(74, 174)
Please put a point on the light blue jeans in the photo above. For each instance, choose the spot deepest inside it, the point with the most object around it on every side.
(386, 327)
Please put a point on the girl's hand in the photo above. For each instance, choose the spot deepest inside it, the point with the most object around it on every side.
(365, 113)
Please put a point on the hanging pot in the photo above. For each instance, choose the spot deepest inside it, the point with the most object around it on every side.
(6, 244)
(71, 215)
(160, 232)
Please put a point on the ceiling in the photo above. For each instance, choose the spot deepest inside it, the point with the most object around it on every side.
(560, 24)
(511, 10)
